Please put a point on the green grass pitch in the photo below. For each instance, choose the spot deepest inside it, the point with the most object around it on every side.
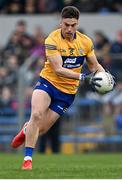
(81, 166)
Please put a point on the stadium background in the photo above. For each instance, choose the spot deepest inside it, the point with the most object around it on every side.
(94, 122)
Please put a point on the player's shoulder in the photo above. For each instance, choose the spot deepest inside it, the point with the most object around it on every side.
(84, 37)
(53, 38)
(54, 34)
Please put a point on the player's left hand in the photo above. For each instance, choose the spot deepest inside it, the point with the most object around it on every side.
(92, 80)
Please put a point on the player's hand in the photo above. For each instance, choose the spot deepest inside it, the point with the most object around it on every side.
(113, 77)
(92, 80)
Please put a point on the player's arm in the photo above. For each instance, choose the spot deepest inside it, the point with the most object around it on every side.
(93, 64)
(56, 63)
(91, 59)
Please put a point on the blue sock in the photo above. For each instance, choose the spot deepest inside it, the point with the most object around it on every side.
(28, 151)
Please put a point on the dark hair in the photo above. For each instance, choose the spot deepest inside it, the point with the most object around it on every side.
(21, 23)
(70, 12)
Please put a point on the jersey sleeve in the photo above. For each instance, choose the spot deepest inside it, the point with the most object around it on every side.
(90, 48)
(51, 47)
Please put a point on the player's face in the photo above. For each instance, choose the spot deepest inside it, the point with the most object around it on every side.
(69, 27)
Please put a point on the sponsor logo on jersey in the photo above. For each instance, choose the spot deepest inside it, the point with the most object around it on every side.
(72, 61)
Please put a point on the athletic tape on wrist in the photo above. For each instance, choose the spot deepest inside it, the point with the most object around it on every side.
(82, 77)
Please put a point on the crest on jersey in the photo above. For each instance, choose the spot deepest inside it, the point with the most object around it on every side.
(81, 52)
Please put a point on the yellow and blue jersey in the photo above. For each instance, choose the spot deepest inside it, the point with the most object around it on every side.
(73, 55)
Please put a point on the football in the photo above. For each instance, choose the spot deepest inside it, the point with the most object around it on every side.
(107, 82)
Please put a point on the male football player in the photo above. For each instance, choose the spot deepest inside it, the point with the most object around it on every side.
(66, 50)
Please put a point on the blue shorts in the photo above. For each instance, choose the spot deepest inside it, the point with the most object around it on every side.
(59, 101)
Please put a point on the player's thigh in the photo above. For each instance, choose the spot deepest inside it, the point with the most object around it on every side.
(40, 101)
(50, 118)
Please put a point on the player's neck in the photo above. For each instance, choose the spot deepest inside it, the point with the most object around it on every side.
(68, 38)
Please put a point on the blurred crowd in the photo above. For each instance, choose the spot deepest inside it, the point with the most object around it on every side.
(54, 6)
(21, 45)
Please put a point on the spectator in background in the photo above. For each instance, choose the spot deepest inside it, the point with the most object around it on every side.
(85, 5)
(20, 43)
(30, 7)
(21, 29)
(12, 66)
(3, 3)
(13, 45)
(47, 6)
(118, 6)
(16, 7)
(39, 37)
(116, 46)
(103, 7)
(12, 63)
(54, 6)
(37, 52)
(3, 76)
(27, 43)
(6, 98)
(116, 54)
(113, 100)
(26, 40)
(107, 62)
(8, 77)
(118, 122)
(117, 101)
(101, 44)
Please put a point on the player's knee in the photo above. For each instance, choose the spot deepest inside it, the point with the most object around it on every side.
(36, 117)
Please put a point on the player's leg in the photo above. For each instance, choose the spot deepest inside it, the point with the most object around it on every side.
(49, 119)
(42, 118)
(40, 103)
(39, 126)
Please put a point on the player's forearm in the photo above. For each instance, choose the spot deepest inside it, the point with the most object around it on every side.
(99, 68)
(96, 67)
(67, 73)
(93, 64)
